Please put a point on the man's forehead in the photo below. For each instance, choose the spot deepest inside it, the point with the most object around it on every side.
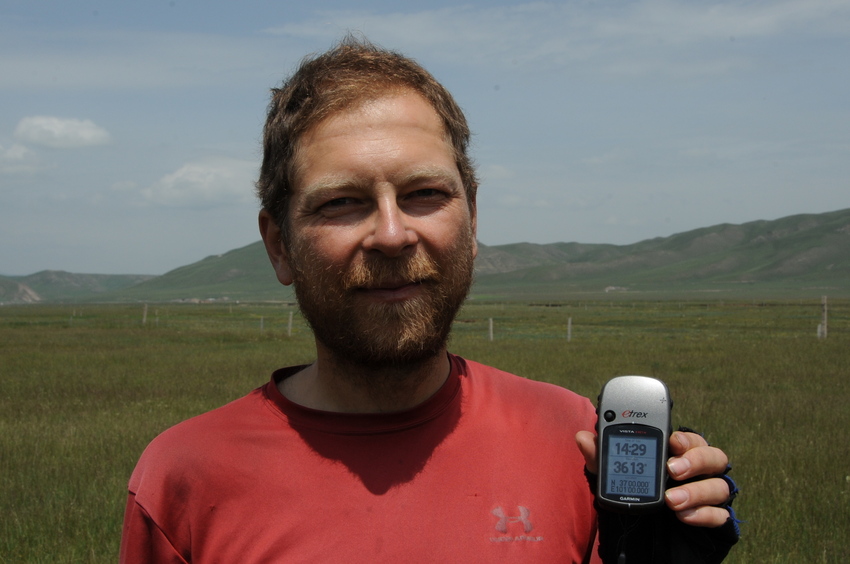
(398, 103)
(397, 114)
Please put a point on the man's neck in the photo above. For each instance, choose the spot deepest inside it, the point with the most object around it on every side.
(332, 384)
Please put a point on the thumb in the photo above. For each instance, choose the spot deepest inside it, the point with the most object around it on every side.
(586, 442)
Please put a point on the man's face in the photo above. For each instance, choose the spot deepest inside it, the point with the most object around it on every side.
(382, 236)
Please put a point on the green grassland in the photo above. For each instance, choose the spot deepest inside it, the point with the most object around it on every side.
(84, 388)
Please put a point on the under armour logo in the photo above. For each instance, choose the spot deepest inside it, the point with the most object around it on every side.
(504, 519)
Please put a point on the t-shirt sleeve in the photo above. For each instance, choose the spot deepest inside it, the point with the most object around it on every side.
(142, 541)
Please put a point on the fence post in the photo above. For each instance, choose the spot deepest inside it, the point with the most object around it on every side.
(569, 329)
(491, 328)
(289, 326)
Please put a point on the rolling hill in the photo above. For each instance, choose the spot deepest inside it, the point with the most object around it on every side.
(796, 253)
(58, 285)
(799, 255)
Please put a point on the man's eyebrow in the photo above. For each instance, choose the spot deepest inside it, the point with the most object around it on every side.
(429, 174)
(325, 187)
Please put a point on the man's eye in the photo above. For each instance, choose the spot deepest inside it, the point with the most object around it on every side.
(339, 207)
(427, 193)
(337, 203)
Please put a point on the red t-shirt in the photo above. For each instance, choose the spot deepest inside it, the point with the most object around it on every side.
(487, 470)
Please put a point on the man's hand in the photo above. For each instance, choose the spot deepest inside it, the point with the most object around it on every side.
(694, 503)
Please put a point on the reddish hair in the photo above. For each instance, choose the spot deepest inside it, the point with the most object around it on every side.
(353, 72)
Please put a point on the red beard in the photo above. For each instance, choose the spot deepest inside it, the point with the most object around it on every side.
(379, 334)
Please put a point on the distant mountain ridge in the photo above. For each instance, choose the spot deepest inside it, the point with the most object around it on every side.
(800, 252)
(805, 250)
(58, 285)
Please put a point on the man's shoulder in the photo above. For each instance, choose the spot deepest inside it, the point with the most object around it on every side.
(219, 418)
(195, 439)
(516, 389)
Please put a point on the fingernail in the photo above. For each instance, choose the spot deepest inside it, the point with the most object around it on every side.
(686, 514)
(678, 466)
(677, 496)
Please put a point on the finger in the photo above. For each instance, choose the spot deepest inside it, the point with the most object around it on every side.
(586, 442)
(695, 503)
(711, 491)
(698, 461)
(705, 516)
(682, 441)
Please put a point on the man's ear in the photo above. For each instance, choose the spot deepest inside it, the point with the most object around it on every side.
(279, 257)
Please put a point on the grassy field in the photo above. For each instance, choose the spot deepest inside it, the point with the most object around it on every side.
(84, 389)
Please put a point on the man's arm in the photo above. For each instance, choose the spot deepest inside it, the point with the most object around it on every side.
(142, 541)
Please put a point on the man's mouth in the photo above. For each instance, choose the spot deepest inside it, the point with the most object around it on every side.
(392, 290)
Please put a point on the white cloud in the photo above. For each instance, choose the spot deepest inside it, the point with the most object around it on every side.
(122, 59)
(645, 37)
(681, 22)
(605, 35)
(205, 183)
(60, 133)
(17, 159)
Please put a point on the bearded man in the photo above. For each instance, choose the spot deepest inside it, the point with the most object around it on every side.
(387, 448)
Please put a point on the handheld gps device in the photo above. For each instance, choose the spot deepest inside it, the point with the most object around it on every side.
(633, 428)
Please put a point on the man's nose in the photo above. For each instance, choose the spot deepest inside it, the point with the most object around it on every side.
(391, 232)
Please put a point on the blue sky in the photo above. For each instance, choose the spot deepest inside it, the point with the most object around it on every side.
(129, 131)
